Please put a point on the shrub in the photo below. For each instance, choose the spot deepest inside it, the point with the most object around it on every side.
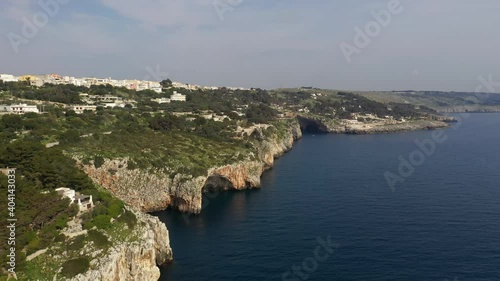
(129, 218)
(74, 267)
(26, 237)
(100, 240)
(104, 197)
(33, 245)
(98, 161)
(88, 225)
(60, 238)
(76, 243)
(99, 209)
(115, 208)
(61, 222)
(69, 137)
(131, 165)
(102, 221)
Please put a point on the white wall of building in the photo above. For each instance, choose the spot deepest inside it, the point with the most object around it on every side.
(8, 78)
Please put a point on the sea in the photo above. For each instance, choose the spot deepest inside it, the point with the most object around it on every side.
(414, 206)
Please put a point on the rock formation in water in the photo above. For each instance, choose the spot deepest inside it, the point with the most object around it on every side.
(138, 260)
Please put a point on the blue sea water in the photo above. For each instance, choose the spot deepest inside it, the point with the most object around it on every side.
(442, 223)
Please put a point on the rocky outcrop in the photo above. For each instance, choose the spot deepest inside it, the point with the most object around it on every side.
(149, 191)
(246, 175)
(401, 127)
(470, 109)
(325, 125)
(138, 260)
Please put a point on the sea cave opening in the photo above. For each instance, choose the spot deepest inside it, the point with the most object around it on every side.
(311, 126)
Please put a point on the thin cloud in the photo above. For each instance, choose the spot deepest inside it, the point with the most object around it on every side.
(167, 13)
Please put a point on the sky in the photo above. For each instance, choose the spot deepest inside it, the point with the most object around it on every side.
(412, 45)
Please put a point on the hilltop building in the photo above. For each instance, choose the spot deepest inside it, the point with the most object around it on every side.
(79, 109)
(177, 97)
(8, 78)
(19, 108)
(161, 100)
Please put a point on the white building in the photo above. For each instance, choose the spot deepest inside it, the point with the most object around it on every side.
(79, 109)
(161, 100)
(185, 86)
(19, 108)
(37, 82)
(111, 101)
(177, 97)
(157, 89)
(84, 201)
(8, 78)
(113, 104)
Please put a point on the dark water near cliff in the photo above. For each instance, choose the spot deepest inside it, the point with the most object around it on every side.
(442, 223)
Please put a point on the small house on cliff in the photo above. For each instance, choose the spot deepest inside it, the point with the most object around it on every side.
(84, 202)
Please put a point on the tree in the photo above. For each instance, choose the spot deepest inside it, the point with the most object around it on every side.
(69, 137)
(260, 113)
(166, 83)
(11, 121)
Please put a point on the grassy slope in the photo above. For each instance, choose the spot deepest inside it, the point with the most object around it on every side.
(176, 152)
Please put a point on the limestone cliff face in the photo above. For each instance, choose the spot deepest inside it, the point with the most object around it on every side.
(153, 191)
(247, 174)
(148, 191)
(137, 260)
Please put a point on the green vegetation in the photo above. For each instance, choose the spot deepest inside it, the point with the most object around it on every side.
(100, 240)
(212, 128)
(342, 105)
(260, 113)
(128, 218)
(439, 100)
(41, 213)
(74, 267)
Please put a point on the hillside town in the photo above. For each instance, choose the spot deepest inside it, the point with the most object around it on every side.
(137, 85)
(91, 102)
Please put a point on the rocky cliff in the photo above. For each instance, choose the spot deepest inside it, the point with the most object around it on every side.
(470, 109)
(149, 191)
(137, 260)
(316, 124)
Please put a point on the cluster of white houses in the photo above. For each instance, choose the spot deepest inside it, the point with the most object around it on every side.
(91, 104)
(40, 80)
(138, 85)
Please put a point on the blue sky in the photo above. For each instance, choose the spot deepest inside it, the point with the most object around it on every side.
(430, 45)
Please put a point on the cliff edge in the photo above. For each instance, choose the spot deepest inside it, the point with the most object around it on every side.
(135, 260)
(150, 191)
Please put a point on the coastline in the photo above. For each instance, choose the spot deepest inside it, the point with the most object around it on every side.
(146, 192)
